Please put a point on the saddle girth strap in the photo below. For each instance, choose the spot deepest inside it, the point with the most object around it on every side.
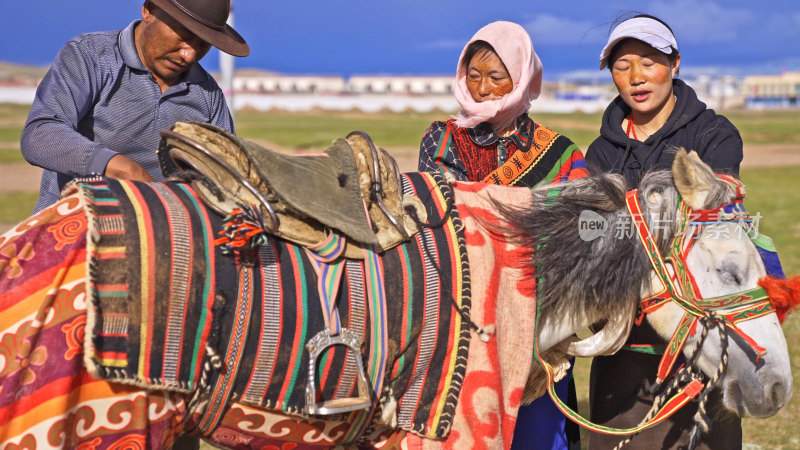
(376, 362)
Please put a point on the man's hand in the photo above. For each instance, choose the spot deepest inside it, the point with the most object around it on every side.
(124, 168)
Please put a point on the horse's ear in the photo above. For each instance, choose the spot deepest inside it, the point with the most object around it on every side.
(693, 178)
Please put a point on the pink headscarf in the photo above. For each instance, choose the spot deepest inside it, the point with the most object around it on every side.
(514, 47)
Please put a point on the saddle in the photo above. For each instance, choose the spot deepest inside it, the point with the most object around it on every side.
(352, 188)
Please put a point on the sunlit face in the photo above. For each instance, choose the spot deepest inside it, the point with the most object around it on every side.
(643, 76)
(166, 47)
(487, 77)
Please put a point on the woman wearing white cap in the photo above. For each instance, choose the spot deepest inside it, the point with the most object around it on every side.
(653, 114)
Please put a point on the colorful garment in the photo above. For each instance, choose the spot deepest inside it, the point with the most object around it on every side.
(531, 156)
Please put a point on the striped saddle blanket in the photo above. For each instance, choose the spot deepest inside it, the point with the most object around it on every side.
(161, 292)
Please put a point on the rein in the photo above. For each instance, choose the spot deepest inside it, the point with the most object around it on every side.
(680, 287)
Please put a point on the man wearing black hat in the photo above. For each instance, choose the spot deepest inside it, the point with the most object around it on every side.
(100, 107)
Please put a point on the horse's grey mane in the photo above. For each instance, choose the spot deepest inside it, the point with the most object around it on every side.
(605, 274)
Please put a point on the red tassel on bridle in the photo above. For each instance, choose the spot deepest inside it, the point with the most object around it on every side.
(784, 294)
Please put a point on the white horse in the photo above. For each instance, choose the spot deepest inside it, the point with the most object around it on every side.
(711, 257)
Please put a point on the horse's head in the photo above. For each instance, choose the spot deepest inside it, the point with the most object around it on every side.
(680, 249)
(710, 294)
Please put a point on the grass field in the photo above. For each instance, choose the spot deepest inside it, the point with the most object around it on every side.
(314, 130)
(773, 192)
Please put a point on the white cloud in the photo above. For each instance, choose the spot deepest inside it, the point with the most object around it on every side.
(703, 21)
(445, 44)
(550, 29)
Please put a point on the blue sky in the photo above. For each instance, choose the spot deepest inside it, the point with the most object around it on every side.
(348, 37)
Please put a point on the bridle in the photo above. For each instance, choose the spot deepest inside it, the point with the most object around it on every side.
(679, 284)
(680, 287)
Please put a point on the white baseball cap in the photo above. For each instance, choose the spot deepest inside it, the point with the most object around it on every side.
(645, 29)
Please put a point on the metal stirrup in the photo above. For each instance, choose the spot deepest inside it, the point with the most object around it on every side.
(315, 346)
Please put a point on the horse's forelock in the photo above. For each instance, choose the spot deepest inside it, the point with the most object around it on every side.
(659, 198)
(721, 194)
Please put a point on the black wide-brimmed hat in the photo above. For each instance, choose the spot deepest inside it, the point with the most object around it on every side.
(208, 20)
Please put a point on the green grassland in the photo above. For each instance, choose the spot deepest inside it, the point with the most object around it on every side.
(773, 192)
(314, 130)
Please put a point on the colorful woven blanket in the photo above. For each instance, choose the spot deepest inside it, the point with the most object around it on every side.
(160, 292)
(154, 276)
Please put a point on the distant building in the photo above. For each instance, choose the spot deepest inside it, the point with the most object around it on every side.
(259, 81)
(772, 91)
(579, 91)
(401, 84)
(718, 91)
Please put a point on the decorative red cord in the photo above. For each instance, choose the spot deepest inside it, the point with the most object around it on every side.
(631, 130)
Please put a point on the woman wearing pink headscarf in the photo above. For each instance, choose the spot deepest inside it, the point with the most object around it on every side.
(493, 140)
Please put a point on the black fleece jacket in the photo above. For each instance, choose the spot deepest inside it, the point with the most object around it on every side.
(691, 125)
